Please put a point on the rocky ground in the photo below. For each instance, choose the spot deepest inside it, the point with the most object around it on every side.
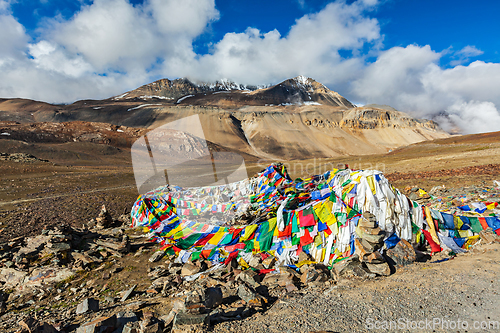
(109, 278)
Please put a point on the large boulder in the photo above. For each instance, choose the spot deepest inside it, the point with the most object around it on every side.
(379, 268)
(350, 267)
(401, 255)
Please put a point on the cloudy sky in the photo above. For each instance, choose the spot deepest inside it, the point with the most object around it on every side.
(424, 57)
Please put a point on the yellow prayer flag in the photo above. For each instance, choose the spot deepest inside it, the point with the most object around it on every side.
(216, 238)
(248, 232)
(272, 226)
(323, 212)
(333, 225)
(183, 233)
(458, 222)
(175, 231)
(243, 263)
(432, 227)
(471, 241)
(371, 183)
(305, 262)
(464, 233)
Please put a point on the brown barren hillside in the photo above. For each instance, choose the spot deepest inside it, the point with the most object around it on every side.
(296, 119)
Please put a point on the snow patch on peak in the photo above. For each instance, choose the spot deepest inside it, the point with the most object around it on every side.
(228, 85)
(301, 82)
(302, 79)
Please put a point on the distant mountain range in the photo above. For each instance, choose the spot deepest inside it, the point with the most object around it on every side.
(298, 118)
(297, 91)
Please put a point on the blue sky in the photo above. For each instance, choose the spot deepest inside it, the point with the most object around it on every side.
(442, 24)
(423, 57)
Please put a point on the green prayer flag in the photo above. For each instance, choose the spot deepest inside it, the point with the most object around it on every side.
(414, 228)
(475, 225)
(295, 223)
(170, 251)
(187, 242)
(195, 256)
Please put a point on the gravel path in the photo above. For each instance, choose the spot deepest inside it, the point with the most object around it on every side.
(464, 289)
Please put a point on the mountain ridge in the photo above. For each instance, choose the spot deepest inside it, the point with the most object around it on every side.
(298, 118)
(297, 90)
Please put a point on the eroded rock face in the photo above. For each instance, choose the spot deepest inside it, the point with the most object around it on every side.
(76, 131)
(372, 118)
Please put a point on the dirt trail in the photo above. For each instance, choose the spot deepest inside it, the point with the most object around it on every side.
(15, 202)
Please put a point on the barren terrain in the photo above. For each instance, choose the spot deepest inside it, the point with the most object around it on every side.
(71, 190)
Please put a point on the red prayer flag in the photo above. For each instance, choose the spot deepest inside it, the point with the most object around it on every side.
(204, 240)
(306, 220)
(306, 239)
(205, 254)
(434, 246)
(265, 271)
(287, 232)
(482, 220)
(231, 248)
(230, 257)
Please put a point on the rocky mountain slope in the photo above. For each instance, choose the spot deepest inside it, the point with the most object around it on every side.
(296, 119)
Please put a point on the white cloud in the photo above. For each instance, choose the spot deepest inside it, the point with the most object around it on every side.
(185, 18)
(477, 81)
(470, 51)
(311, 48)
(13, 38)
(115, 35)
(397, 77)
(409, 79)
(107, 34)
(301, 3)
(51, 57)
(5, 6)
(462, 56)
(475, 117)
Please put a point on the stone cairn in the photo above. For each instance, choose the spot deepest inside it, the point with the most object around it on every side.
(370, 241)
